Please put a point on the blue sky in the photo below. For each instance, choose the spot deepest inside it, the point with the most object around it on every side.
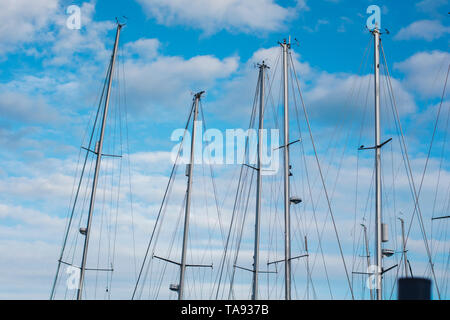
(50, 77)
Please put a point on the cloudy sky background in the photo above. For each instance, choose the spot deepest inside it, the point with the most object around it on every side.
(51, 77)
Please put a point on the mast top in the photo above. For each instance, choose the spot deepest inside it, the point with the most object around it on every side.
(286, 43)
(119, 24)
(377, 30)
(262, 65)
(199, 94)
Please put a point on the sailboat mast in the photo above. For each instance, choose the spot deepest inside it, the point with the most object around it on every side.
(307, 268)
(188, 198)
(98, 151)
(287, 218)
(378, 217)
(366, 242)
(262, 68)
(405, 259)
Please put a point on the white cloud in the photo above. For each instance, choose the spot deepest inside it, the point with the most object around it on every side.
(235, 96)
(144, 48)
(30, 217)
(66, 44)
(428, 30)
(165, 84)
(22, 20)
(326, 94)
(38, 28)
(23, 109)
(232, 15)
(330, 96)
(425, 72)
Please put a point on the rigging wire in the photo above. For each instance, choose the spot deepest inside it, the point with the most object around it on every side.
(69, 223)
(319, 237)
(322, 179)
(415, 193)
(162, 205)
(218, 280)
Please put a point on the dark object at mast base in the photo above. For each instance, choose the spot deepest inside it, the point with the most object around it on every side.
(414, 289)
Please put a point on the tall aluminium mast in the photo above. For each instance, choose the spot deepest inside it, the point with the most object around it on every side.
(179, 287)
(379, 235)
(262, 68)
(188, 199)
(378, 213)
(287, 223)
(98, 152)
(380, 229)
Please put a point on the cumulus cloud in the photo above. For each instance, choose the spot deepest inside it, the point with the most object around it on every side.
(165, 84)
(232, 15)
(428, 30)
(24, 109)
(42, 23)
(66, 44)
(337, 95)
(22, 20)
(235, 96)
(143, 48)
(425, 72)
(327, 95)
